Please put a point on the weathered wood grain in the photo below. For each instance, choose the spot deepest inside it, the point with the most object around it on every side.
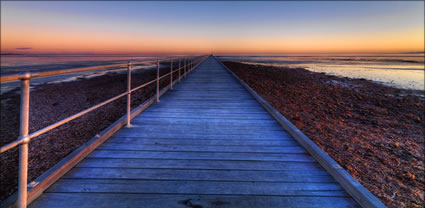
(95, 200)
(208, 142)
(202, 148)
(244, 142)
(199, 164)
(196, 187)
(288, 176)
(201, 155)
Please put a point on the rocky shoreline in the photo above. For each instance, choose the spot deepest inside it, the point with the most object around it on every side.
(52, 102)
(375, 132)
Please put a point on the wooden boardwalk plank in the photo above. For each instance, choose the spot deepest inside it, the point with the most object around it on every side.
(176, 134)
(201, 155)
(196, 187)
(195, 111)
(208, 143)
(209, 122)
(198, 164)
(209, 103)
(288, 176)
(202, 148)
(95, 200)
(187, 115)
(216, 130)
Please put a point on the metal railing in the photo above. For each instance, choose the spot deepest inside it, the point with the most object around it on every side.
(189, 63)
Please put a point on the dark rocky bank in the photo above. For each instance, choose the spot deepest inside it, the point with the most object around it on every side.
(50, 103)
(375, 132)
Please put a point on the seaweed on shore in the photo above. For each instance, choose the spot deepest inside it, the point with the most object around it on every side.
(375, 132)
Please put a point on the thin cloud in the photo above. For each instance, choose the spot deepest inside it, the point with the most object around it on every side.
(23, 48)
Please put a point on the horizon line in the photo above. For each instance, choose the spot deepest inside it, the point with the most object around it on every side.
(197, 53)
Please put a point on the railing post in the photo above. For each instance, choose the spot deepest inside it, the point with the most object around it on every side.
(171, 75)
(188, 65)
(23, 133)
(157, 81)
(185, 65)
(180, 79)
(129, 95)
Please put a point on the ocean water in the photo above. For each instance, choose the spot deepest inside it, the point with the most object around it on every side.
(397, 70)
(35, 63)
(15, 64)
(404, 71)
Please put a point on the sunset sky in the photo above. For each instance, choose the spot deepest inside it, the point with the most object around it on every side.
(113, 27)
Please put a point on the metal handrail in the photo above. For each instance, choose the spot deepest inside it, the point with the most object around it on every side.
(16, 77)
(189, 64)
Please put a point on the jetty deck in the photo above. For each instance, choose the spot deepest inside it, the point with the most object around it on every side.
(207, 143)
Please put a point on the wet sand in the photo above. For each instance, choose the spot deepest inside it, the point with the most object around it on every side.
(52, 102)
(375, 132)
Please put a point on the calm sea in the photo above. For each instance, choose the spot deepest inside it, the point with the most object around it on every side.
(14, 64)
(397, 70)
(19, 63)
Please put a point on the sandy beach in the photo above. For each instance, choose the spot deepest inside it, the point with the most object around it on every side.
(375, 132)
(52, 102)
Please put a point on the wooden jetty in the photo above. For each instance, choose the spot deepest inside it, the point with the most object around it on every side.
(209, 142)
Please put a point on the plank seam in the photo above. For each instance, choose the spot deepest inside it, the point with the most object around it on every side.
(351, 185)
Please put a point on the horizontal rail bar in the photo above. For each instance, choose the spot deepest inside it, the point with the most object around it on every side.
(15, 77)
(165, 75)
(54, 173)
(24, 138)
(143, 85)
(179, 68)
(70, 118)
(143, 62)
(133, 68)
(66, 120)
(150, 82)
(176, 70)
(11, 145)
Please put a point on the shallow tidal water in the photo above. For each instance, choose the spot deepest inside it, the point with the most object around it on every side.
(34, 63)
(404, 71)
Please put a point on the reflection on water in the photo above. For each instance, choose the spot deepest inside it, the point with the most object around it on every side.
(398, 70)
(14, 64)
(19, 63)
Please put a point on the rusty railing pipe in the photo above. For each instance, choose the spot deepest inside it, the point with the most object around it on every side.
(171, 76)
(129, 95)
(157, 81)
(23, 133)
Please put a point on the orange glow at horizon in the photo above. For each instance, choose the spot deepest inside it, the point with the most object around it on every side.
(70, 34)
(42, 41)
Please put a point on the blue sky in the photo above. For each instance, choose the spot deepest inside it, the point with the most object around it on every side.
(220, 23)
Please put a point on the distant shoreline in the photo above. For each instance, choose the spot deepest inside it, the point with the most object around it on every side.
(400, 71)
(11, 54)
(419, 52)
